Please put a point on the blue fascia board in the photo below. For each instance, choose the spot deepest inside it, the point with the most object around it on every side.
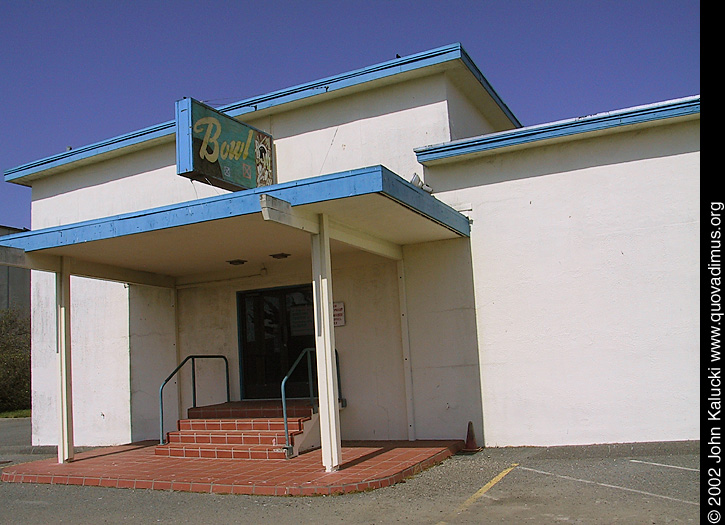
(277, 98)
(82, 153)
(425, 204)
(345, 80)
(367, 74)
(599, 122)
(376, 179)
(182, 128)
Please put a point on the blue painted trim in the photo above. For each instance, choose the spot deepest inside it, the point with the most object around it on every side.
(378, 71)
(182, 129)
(626, 117)
(98, 148)
(353, 78)
(423, 203)
(376, 179)
(345, 80)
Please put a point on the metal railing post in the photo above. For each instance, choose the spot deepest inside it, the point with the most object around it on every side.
(288, 446)
(308, 352)
(161, 414)
(339, 384)
(309, 380)
(226, 368)
(193, 380)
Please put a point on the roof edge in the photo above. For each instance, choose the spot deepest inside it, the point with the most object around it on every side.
(25, 173)
(563, 128)
(362, 181)
(31, 170)
(489, 88)
(344, 80)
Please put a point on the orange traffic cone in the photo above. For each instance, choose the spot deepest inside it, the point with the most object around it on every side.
(470, 447)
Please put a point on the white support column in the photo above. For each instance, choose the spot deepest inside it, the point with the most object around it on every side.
(65, 399)
(405, 340)
(325, 345)
(177, 344)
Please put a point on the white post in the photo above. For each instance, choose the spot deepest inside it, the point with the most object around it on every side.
(325, 346)
(65, 400)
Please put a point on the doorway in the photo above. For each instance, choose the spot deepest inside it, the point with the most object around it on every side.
(275, 326)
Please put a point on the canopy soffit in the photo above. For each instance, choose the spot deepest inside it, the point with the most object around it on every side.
(370, 207)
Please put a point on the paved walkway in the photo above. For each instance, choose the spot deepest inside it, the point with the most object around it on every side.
(598, 484)
(366, 466)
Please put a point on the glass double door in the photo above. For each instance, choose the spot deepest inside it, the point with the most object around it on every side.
(275, 326)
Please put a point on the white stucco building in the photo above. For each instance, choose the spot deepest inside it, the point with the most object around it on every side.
(547, 290)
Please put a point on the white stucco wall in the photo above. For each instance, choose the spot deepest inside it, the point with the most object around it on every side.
(208, 325)
(152, 342)
(368, 287)
(585, 257)
(443, 345)
(136, 181)
(100, 362)
(370, 348)
(465, 119)
(365, 129)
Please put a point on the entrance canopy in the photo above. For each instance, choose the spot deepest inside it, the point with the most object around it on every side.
(371, 209)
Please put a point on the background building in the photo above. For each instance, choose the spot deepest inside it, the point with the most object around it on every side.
(14, 282)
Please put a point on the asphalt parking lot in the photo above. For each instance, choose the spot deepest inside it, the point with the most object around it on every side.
(631, 484)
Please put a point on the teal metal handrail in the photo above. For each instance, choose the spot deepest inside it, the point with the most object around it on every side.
(306, 352)
(193, 359)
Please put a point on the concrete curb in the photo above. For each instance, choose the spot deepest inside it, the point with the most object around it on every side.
(24, 449)
(33, 450)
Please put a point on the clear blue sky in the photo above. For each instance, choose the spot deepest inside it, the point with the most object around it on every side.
(77, 72)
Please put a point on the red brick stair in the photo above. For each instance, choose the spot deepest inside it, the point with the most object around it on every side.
(237, 430)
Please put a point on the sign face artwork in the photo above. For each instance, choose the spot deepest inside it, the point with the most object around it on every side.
(214, 148)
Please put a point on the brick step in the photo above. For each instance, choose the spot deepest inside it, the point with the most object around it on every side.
(184, 450)
(256, 424)
(238, 430)
(251, 409)
(230, 437)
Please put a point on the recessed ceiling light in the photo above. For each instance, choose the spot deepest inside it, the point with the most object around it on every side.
(280, 255)
(236, 262)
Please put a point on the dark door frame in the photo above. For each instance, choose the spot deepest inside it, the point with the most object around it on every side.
(286, 360)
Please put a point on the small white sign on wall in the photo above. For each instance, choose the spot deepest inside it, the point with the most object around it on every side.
(338, 314)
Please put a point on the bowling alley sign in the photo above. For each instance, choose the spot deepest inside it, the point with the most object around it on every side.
(216, 149)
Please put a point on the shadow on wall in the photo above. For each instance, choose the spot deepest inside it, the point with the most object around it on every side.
(152, 344)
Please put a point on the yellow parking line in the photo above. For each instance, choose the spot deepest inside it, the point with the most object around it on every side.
(480, 492)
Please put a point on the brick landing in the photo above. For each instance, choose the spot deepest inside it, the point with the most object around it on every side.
(366, 465)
